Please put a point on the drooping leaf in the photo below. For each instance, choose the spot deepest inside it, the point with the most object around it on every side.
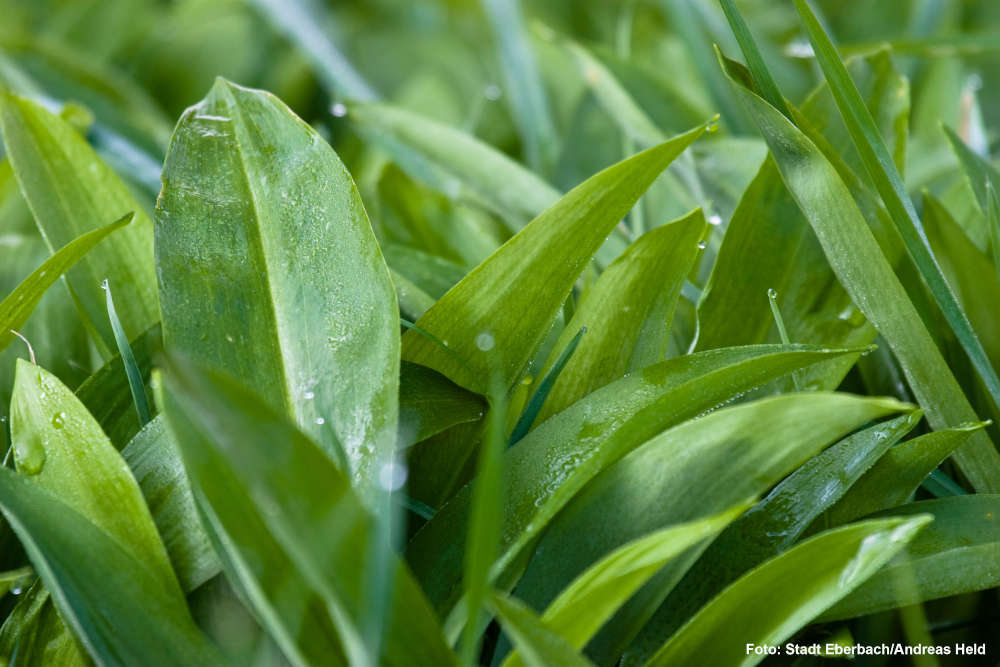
(801, 584)
(71, 192)
(699, 467)
(291, 533)
(260, 231)
(18, 305)
(898, 474)
(774, 524)
(955, 554)
(516, 293)
(868, 278)
(594, 596)
(627, 312)
(551, 464)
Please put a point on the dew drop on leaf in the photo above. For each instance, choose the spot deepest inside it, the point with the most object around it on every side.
(59, 420)
(485, 341)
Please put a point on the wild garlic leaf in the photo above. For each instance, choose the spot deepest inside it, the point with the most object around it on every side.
(269, 269)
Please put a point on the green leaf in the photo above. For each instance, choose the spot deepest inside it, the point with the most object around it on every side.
(430, 403)
(889, 183)
(36, 633)
(515, 294)
(60, 447)
(956, 554)
(18, 305)
(136, 384)
(285, 287)
(156, 464)
(897, 475)
(762, 78)
(553, 462)
(291, 533)
(699, 467)
(978, 171)
(775, 523)
(71, 192)
(539, 644)
(455, 163)
(799, 584)
(627, 312)
(868, 278)
(119, 607)
(594, 596)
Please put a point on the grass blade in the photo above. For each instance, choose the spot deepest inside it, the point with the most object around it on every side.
(135, 382)
(539, 644)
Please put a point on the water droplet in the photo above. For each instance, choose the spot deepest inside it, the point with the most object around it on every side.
(59, 420)
(702, 244)
(493, 92)
(320, 421)
(772, 293)
(715, 220)
(104, 284)
(713, 125)
(29, 456)
(485, 341)
(309, 395)
(338, 110)
(229, 338)
(392, 476)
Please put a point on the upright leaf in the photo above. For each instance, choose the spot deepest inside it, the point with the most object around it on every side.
(515, 294)
(865, 273)
(801, 584)
(268, 268)
(291, 532)
(628, 312)
(71, 192)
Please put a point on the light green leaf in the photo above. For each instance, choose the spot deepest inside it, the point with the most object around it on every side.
(594, 596)
(956, 554)
(775, 523)
(18, 305)
(799, 584)
(889, 184)
(455, 163)
(552, 463)
(269, 269)
(700, 467)
(291, 533)
(515, 294)
(156, 464)
(898, 474)
(868, 278)
(627, 312)
(540, 645)
(120, 608)
(71, 192)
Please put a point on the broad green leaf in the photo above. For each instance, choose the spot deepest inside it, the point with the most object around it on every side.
(775, 523)
(60, 447)
(291, 533)
(868, 278)
(71, 192)
(699, 467)
(107, 395)
(799, 584)
(957, 553)
(260, 231)
(540, 645)
(594, 596)
(551, 464)
(627, 312)
(304, 23)
(119, 607)
(898, 474)
(515, 294)
(525, 93)
(455, 163)
(430, 403)
(156, 464)
(36, 633)
(18, 305)
(889, 184)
